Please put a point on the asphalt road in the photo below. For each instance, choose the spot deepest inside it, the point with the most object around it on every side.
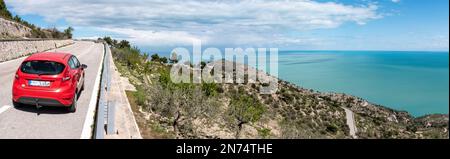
(48, 122)
(351, 122)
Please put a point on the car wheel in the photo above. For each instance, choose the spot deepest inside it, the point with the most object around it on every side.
(73, 107)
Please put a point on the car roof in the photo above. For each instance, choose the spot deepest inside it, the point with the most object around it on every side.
(49, 56)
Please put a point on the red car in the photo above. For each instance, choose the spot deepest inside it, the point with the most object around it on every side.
(49, 79)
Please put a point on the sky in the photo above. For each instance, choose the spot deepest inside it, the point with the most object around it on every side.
(162, 25)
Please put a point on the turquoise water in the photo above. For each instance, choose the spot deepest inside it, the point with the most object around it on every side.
(417, 82)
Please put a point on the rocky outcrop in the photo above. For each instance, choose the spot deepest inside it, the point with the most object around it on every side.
(10, 49)
(10, 29)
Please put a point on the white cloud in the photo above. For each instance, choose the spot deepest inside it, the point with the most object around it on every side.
(214, 22)
(155, 38)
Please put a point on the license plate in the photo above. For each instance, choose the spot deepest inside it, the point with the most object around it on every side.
(39, 83)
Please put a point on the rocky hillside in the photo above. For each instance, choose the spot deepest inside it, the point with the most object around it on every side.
(10, 29)
(14, 27)
(168, 110)
(19, 38)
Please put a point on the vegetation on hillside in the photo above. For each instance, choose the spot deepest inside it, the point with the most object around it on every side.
(36, 32)
(4, 11)
(210, 110)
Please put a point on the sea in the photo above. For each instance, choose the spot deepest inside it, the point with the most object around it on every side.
(417, 82)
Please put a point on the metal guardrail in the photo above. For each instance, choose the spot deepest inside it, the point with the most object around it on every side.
(106, 107)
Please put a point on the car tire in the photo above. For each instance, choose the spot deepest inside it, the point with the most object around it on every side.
(82, 87)
(73, 106)
(16, 104)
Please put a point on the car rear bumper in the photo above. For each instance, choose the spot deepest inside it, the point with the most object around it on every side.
(43, 98)
(40, 101)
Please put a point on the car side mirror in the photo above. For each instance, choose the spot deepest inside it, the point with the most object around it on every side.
(84, 66)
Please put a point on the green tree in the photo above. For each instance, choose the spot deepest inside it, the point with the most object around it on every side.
(124, 44)
(155, 58)
(163, 60)
(4, 11)
(210, 89)
(17, 19)
(68, 32)
(202, 64)
(114, 42)
(108, 40)
(245, 109)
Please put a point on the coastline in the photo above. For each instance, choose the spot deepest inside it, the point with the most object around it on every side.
(312, 90)
(364, 108)
(388, 83)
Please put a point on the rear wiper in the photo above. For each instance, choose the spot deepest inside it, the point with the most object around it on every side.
(44, 73)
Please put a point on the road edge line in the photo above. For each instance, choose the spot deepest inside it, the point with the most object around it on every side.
(4, 108)
(89, 121)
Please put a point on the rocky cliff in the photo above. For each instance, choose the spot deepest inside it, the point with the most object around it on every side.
(10, 29)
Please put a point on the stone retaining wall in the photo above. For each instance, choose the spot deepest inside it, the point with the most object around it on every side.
(10, 49)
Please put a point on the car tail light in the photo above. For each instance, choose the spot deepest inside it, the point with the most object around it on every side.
(66, 76)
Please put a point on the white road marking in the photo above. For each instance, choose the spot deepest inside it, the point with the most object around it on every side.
(4, 108)
(86, 133)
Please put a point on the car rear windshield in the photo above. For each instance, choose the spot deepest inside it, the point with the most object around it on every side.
(42, 67)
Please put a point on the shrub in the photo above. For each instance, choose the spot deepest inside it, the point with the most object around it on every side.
(246, 109)
(140, 96)
(209, 89)
(202, 64)
(4, 11)
(124, 44)
(219, 89)
(286, 96)
(253, 86)
(164, 77)
(163, 60)
(264, 133)
(155, 57)
(332, 128)
(108, 40)
(68, 32)
(147, 67)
